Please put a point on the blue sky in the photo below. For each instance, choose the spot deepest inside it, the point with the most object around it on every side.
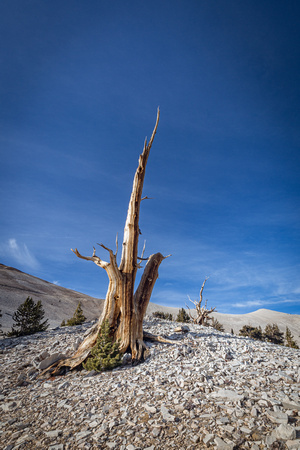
(80, 83)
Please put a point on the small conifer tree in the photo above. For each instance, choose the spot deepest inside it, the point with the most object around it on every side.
(78, 317)
(105, 355)
(63, 324)
(273, 334)
(251, 332)
(28, 319)
(215, 324)
(183, 316)
(290, 342)
(162, 315)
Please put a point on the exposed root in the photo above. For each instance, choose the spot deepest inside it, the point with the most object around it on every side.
(156, 338)
(143, 352)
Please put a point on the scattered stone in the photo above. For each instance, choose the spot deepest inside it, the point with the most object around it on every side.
(228, 395)
(293, 445)
(182, 329)
(208, 438)
(47, 362)
(277, 416)
(166, 415)
(208, 390)
(285, 431)
(127, 359)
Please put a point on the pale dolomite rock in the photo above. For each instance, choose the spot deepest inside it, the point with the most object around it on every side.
(210, 390)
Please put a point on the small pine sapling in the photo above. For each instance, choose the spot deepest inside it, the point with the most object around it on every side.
(290, 342)
(215, 324)
(183, 316)
(273, 334)
(105, 355)
(28, 319)
(162, 315)
(78, 317)
(251, 332)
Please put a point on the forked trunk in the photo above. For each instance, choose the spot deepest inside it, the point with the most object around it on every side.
(124, 309)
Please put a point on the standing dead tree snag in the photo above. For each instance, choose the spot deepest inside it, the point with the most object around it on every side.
(124, 309)
(202, 313)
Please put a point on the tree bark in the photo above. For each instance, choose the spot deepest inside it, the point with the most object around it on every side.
(202, 313)
(124, 309)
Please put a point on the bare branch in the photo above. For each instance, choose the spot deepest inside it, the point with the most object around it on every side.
(113, 259)
(193, 301)
(147, 198)
(202, 313)
(117, 245)
(155, 128)
(143, 251)
(98, 261)
(201, 290)
(105, 248)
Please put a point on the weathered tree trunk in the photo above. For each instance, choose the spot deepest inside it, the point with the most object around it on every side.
(202, 313)
(123, 308)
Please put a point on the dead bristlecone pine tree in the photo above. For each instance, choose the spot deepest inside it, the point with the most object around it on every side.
(124, 308)
(202, 313)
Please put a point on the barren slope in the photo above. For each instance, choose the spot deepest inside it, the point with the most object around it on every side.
(60, 303)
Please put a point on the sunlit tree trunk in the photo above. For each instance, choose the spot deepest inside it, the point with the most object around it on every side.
(125, 309)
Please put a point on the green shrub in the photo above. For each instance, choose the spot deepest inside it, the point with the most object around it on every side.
(183, 316)
(77, 319)
(162, 315)
(216, 324)
(251, 332)
(290, 339)
(105, 354)
(28, 319)
(273, 334)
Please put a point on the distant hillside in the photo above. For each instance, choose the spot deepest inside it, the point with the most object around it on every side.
(261, 317)
(60, 303)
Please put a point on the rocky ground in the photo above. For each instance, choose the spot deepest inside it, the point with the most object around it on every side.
(208, 390)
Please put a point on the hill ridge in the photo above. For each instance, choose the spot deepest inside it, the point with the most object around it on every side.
(60, 303)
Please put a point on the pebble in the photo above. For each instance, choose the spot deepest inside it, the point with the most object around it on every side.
(210, 390)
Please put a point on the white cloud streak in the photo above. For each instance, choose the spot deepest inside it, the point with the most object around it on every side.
(20, 254)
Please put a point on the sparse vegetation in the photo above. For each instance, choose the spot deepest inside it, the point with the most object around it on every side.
(28, 319)
(251, 332)
(289, 338)
(273, 334)
(105, 355)
(77, 319)
(162, 315)
(215, 324)
(183, 316)
(270, 334)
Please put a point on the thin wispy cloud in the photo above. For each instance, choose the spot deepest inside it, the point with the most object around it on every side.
(260, 303)
(20, 254)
